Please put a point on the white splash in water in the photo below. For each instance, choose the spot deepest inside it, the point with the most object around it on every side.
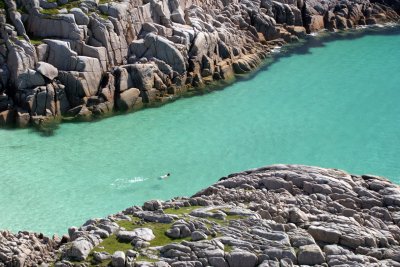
(137, 180)
(276, 49)
(122, 183)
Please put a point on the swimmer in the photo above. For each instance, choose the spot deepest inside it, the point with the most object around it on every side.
(165, 176)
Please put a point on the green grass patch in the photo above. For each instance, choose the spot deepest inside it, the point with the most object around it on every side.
(36, 40)
(2, 4)
(110, 245)
(235, 217)
(70, 5)
(130, 225)
(228, 248)
(51, 11)
(104, 16)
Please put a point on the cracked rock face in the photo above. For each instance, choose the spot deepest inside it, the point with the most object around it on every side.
(90, 52)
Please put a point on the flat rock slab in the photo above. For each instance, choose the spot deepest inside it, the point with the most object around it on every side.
(145, 234)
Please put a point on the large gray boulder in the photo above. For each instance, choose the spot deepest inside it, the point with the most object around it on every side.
(30, 79)
(80, 17)
(61, 26)
(129, 99)
(198, 235)
(47, 70)
(79, 84)
(324, 234)
(281, 253)
(273, 183)
(241, 258)
(60, 54)
(218, 262)
(310, 255)
(140, 76)
(101, 256)
(159, 47)
(145, 234)
(152, 205)
(109, 35)
(204, 44)
(118, 259)
(15, 17)
(21, 56)
(154, 217)
(42, 101)
(79, 249)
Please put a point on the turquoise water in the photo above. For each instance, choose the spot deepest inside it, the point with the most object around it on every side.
(333, 104)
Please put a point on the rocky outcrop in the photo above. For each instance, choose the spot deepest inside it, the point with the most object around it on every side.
(280, 215)
(84, 58)
(26, 249)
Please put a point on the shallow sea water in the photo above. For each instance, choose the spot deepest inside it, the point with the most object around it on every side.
(332, 104)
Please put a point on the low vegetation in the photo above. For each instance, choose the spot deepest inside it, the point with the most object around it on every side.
(112, 244)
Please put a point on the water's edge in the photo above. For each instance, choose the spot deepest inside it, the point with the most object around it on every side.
(303, 46)
(282, 49)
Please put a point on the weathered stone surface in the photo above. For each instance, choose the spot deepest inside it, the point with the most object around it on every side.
(154, 217)
(80, 17)
(324, 234)
(79, 249)
(152, 205)
(241, 259)
(145, 234)
(62, 26)
(129, 98)
(160, 48)
(118, 259)
(310, 255)
(101, 256)
(47, 70)
(30, 79)
(198, 235)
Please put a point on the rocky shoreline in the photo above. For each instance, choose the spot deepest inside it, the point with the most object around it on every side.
(280, 215)
(84, 59)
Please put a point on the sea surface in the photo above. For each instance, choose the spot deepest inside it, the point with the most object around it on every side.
(328, 103)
